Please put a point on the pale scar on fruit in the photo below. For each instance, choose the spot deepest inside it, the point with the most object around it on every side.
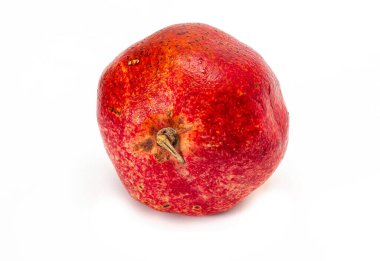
(144, 144)
(133, 61)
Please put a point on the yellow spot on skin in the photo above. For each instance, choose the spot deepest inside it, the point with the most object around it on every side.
(204, 196)
(211, 145)
(133, 62)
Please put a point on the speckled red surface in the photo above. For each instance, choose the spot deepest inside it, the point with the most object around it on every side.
(220, 96)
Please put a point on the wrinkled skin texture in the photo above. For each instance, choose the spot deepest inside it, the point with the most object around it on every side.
(222, 99)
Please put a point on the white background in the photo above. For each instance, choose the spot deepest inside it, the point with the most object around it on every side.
(60, 198)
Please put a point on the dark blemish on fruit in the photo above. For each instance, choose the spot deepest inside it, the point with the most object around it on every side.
(169, 113)
(147, 145)
(197, 207)
(133, 62)
(182, 32)
(140, 187)
(161, 156)
(116, 111)
(166, 206)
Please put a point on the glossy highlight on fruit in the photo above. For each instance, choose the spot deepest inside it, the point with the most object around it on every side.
(192, 119)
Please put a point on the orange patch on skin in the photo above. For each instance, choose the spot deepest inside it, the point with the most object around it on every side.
(123, 68)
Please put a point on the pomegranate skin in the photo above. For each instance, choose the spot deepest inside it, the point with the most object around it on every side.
(221, 98)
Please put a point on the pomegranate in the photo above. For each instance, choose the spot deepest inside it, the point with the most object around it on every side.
(192, 119)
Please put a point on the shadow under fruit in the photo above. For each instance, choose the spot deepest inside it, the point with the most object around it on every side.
(192, 119)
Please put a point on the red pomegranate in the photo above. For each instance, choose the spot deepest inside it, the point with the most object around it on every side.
(192, 119)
